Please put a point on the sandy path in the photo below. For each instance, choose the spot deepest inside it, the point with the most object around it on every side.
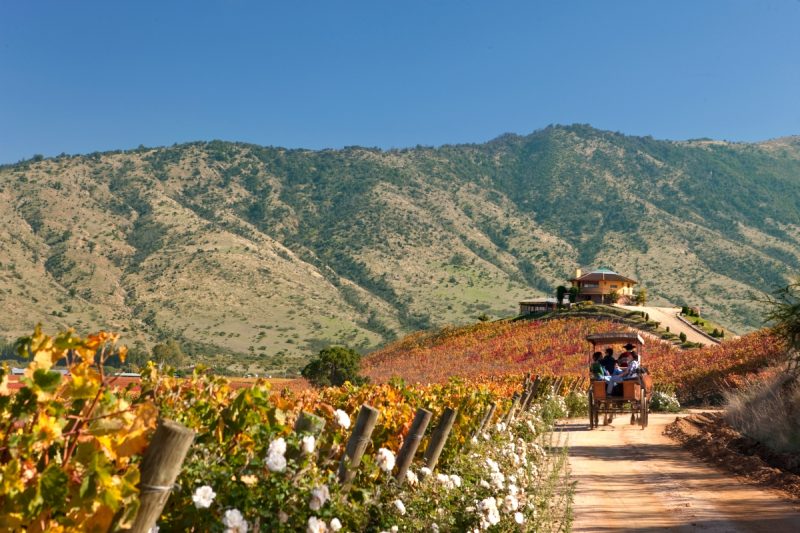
(667, 317)
(634, 480)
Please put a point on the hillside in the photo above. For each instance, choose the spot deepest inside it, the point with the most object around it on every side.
(266, 254)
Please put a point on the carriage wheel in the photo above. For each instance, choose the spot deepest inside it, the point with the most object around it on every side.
(597, 413)
(643, 408)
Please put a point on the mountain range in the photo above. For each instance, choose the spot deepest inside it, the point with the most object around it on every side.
(253, 257)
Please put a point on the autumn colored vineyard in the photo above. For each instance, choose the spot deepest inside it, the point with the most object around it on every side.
(70, 451)
(557, 347)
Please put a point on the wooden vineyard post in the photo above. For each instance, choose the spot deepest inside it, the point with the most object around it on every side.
(511, 410)
(406, 454)
(487, 416)
(160, 467)
(534, 392)
(365, 423)
(557, 386)
(308, 423)
(526, 398)
(439, 437)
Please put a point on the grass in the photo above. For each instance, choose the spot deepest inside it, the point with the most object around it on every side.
(707, 325)
(769, 412)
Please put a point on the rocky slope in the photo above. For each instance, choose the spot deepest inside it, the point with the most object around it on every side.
(266, 253)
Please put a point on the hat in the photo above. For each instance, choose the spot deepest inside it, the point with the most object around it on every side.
(628, 346)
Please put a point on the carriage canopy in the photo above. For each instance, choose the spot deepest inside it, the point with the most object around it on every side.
(615, 337)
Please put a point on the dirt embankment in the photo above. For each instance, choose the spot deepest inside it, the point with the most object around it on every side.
(707, 436)
(629, 479)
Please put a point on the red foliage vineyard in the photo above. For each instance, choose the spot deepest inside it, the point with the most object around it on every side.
(557, 347)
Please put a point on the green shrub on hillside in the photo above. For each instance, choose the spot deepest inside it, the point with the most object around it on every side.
(333, 367)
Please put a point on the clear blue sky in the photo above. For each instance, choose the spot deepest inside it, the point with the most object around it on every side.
(82, 76)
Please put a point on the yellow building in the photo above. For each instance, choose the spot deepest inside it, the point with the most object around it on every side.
(600, 284)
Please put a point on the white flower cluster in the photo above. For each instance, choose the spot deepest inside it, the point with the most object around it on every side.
(510, 474)
(317, 525)
(234, 522)
(490, 515)
(276, 460)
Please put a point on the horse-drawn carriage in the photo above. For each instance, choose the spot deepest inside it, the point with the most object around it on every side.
(634, 394)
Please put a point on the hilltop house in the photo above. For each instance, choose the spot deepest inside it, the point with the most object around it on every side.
(540, 305)
(598, 285)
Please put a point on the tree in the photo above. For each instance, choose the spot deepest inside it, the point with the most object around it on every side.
(641, 296)
(169, 353)
(682, 336)
(560, 292)
(573, 294)
(613, 297)
(334, 366)
(784, 314)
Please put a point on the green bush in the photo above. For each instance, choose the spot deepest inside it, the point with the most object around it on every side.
(333, 367)
(577, 404)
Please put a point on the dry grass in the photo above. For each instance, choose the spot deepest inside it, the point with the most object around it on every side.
(768, 412)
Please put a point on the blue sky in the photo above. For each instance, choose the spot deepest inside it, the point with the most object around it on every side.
(77, 77)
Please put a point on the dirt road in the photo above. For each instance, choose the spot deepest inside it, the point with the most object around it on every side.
(630, 479)
(668, 318)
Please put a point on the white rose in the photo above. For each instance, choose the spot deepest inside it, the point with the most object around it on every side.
(401, 508)
(203, 497)
(234, 522)
(510, 503)
(385, 459)
(276, 463)
(319, 496)
(411, 477)
(519, 518)
(342, 418)
(278, 446)
(309, 443)
(335, 524)
(315, 525)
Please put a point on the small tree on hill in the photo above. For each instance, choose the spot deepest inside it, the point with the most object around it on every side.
(560, 292)
(170, 353)
(641, 297)
(334, 366)
(573, 294)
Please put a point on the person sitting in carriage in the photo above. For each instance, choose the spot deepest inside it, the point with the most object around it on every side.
(597, 370)
(625, 356)
(608, 362)
(631, 371)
